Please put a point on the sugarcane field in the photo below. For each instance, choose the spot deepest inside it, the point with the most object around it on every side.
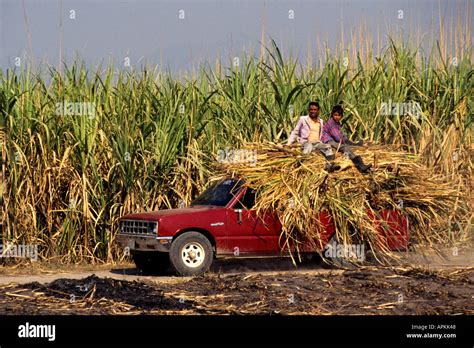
(266, 182)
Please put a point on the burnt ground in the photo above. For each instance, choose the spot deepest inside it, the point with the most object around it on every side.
(367, 291)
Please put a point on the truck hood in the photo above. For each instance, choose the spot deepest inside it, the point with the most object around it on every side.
(156, 215)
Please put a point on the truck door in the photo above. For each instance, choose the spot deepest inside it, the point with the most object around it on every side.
(248, 233)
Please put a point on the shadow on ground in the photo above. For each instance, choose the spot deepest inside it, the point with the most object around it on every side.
(242, 265)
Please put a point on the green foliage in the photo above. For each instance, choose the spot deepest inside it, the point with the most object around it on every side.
(151, 139)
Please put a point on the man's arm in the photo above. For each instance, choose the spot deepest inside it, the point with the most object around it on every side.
(295, 132)
(335, 132)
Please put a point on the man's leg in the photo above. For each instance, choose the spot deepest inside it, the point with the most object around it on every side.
(325, 149)
(307, 148)
(357, 160)
(345, 149)
(328, 154)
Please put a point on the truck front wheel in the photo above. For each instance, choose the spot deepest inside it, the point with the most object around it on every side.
(191, 254)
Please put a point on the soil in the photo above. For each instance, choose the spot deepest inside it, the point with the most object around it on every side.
(430, 286)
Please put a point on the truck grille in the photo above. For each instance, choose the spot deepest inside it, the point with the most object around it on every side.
(138, 227)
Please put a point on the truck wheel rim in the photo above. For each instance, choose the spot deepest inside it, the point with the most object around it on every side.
(193, 255)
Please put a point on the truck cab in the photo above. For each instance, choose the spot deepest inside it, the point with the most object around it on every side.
(221, 222)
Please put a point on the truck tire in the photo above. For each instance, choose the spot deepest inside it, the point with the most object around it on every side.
(334, 259)
(191, 254)
(151, 262)
(309, 259)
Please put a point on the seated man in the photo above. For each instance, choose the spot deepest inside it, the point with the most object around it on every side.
(333, 135)
(308, 133)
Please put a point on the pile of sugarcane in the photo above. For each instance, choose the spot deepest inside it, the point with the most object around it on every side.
(296, 186)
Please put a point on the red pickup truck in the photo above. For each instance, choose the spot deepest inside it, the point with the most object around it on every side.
(221, 223)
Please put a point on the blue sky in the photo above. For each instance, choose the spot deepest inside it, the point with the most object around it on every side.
(153, 32)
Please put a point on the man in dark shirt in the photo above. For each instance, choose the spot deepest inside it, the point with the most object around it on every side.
(334, 136)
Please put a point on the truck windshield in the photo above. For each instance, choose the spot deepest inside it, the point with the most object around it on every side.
(219, 194)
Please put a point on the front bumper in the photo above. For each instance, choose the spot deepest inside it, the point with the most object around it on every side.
(144, 243)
